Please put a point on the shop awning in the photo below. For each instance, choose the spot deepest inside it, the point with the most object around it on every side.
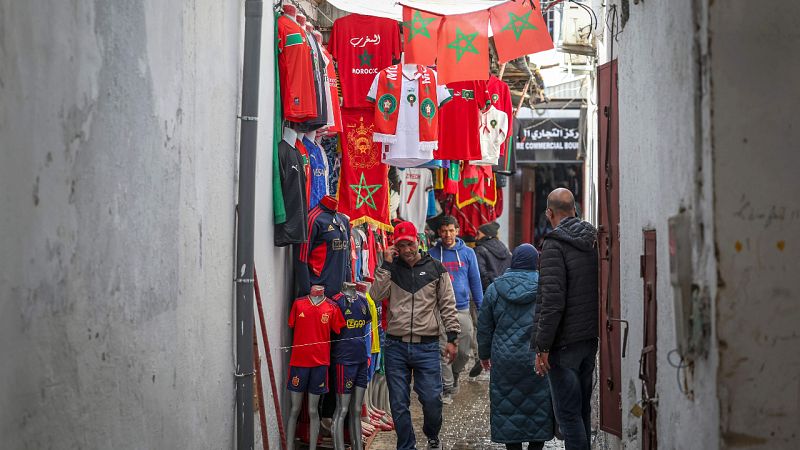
(393, 9)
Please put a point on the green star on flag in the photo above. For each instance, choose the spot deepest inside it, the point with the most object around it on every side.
(418, 25)
(518, 24)
(363, 198)
(365, 58)
(463, 44)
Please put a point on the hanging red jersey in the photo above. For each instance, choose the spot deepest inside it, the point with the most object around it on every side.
(500, 95)
(362, 46)
(313, 325)
(296, 71)
(459, 122)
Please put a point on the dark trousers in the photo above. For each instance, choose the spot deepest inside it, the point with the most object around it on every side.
(422, 361)
(571, 370)
(537, 445)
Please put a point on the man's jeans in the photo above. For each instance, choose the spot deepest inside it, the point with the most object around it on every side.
(571, 370)
(403, 359)
(464, 342)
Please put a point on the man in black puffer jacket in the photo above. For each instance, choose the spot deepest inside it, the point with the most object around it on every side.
(493, 255)
(567, 307)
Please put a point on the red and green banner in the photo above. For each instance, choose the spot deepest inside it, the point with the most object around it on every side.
(478, 184)
(519, 29)
(463, 50)
(363, 190)
(420, 36)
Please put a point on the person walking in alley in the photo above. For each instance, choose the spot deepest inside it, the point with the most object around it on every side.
(520, 404)
(462, 264)
(493, 260)
(419, 291)
(566, 331)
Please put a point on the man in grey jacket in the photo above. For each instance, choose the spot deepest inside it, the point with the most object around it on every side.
(419, 291)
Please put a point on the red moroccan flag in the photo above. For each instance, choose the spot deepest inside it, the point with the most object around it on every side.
(363, 187)
(464, 47)
(477, 184)
(420, 36)
(519, 29)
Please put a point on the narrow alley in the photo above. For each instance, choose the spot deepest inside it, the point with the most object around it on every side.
(466, 421)
(244, 224)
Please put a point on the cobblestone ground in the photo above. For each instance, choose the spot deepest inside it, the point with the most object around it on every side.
(466, 421)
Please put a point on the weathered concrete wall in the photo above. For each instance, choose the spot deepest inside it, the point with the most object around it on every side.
(756, 164)
(117, 166)
(661, 172)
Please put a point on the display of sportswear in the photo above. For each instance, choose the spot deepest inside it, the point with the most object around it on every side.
(407, 150)
(349, 376)
(319, 182)
(334, 108)
(313, 325)
(375, 345)
(306, 167)
(325, 258)
(414, 187)
(362, 46)
(500, 96)
(459, 121)
(313, 380)
(493, 134)
(350, 344)
(294, 230)
(320, 89)
(477, 185)
(296, 70)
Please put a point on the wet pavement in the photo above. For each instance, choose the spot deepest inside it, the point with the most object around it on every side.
(466, 421)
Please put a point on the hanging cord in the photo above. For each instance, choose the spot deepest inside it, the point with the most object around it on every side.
(680, 365)
(594, 20)
(550, 6)
(289, 347)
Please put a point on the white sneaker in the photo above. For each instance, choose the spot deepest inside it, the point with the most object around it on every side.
(447, 399)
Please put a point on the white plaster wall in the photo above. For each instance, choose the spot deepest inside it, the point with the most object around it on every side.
(117, 162)
(273, 264)
(754, 66)
(658, 176)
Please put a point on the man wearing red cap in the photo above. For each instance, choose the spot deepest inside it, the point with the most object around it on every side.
(419, 291)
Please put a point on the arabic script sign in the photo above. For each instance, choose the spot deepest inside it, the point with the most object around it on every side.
(548, 139)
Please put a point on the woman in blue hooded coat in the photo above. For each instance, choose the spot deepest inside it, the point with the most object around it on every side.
(521, 408)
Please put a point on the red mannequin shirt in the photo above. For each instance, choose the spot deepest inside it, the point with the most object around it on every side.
(313, 325)
(362, 46)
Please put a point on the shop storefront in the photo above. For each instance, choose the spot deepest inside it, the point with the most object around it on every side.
(549, 154)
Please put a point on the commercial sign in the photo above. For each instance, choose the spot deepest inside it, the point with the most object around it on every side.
(548, 139)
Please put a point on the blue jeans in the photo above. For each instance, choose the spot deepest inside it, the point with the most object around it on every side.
(571, 370)
(422, 361)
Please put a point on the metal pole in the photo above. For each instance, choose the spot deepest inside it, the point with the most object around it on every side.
(244, 230)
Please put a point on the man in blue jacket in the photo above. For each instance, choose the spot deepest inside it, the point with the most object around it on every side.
(462, 264)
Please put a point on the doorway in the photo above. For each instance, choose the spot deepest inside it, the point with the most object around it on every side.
(533, 182)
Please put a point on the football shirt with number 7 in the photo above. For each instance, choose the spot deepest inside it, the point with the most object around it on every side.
(414, 186)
